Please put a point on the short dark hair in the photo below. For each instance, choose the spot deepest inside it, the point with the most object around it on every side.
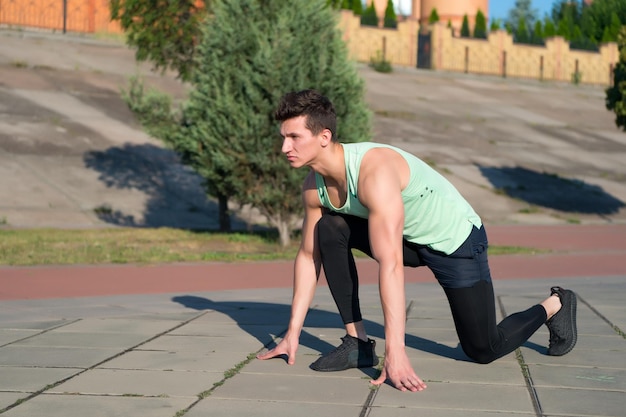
(318, 109)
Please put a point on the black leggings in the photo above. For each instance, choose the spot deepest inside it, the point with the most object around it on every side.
(464, 276)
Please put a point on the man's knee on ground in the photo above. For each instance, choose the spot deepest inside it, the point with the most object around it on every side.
(482, 355)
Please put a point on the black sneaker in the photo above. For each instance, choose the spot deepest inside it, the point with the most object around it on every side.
(562, 325)
(352, 353)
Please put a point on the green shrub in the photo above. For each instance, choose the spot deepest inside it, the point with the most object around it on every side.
(379, 63)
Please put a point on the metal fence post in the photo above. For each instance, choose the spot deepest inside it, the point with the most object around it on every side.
(64, 16)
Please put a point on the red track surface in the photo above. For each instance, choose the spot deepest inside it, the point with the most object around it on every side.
(575, 251)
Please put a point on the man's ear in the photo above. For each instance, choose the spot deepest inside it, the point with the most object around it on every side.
(326, 136)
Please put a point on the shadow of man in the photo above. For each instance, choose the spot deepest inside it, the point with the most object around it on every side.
(265, 321)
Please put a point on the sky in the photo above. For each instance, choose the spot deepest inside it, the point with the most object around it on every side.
(498, 9)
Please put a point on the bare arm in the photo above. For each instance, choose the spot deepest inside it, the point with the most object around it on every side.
(307, 267)
(383, 175)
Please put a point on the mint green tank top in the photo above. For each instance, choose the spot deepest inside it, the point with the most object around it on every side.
(435, 213)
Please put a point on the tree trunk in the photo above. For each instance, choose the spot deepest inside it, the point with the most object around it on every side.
(224, 216)
(284, 232)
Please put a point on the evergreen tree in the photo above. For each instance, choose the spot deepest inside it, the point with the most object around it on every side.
(495, 25)
(616, 95)
(480, 27)
(567, 10)
(434, 16)
(465, 30)
(521, 33)
(602, 12)
(508, 27)
(391, 20)
(549, 31)
(335, 4)
(347, 4)
(369, 17)
(251, 53)
(564, 27)
(614, 27)
(357, 7)
(588, 25)
(606, 35)
(522, 11)
(537, 36)
(164, 32)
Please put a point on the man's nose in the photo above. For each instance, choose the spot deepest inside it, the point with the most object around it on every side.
(286, 145)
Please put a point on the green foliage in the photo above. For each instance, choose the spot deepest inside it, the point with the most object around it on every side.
(369, 16)
(521, 32)
(565, 25)
(164, 32)
(599, 21)
(495, 25)
(434, 16)
(522, 12)
(152, 108)
(614, 27)
(380, 64)
(390, 20)
(549, 31)
(357, 7)
(465, 30)
(346, 4)
(606, 14)
(480, 27)
(251, 53)
(537, 35)
(616, 94)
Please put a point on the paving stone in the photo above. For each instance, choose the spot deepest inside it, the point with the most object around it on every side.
(440, 412)
(124, 382)
(583, 377)
(238, 341)
(579, 402)
(47, 357)
(93, 406)
(444, 370)
(8, 336)
(456, 396)
(32, 379)
(176, 361)
(217, 407)
(146, 326)
(9, 398)
(331, 388)
(58, 339)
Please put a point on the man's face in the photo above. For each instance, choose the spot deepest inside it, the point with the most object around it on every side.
(300, 146)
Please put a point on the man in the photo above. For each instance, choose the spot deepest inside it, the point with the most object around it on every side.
(395, 208)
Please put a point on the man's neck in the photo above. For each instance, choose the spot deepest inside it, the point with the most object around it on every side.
(332, 166)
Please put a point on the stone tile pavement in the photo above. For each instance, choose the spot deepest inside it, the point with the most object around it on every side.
(192, 354)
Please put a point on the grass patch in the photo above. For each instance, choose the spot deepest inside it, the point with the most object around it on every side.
(141, 246)
(29, 247)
